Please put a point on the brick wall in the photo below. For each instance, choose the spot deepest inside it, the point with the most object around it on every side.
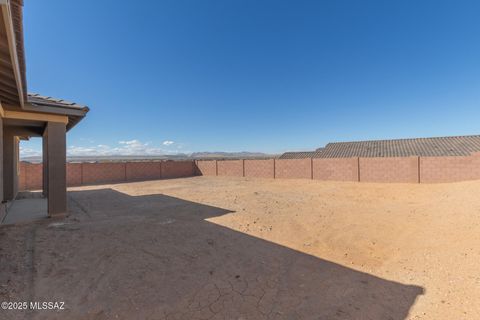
(342, 169)
(177, 169)
(400, 170)
(293, 168)
(259, 168)
(95, 173)
(232, 168)
(33, 176)
(109, 172)
(389, 169)
(74, 174)
(206, 167)
(143, 171)
(450, 169)
(22, 178)
(407, 169)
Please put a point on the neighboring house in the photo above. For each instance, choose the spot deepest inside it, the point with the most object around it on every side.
(419, 147)
(30, 115)
(301, 154)
(298, 155)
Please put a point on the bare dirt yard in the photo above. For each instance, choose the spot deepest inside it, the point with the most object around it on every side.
(236, 248)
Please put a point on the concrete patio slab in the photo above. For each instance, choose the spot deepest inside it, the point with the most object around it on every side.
(25, 210)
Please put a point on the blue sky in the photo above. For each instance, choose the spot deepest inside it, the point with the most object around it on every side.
(171, 76)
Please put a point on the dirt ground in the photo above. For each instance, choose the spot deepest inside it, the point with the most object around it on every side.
(236, 248)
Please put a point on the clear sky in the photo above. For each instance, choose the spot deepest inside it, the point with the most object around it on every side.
(249, 75)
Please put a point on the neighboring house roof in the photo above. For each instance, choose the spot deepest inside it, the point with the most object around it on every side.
(74, 111)
(424, 147)
(318, 152)
(302, 154)
(297, 155)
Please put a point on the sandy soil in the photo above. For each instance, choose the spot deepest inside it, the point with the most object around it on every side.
(235, 248)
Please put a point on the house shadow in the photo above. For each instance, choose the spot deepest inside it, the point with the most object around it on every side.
(156, 257)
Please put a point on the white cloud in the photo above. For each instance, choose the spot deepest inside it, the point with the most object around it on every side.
(29, 152)
(168, 143)
(132, 147)
(123, 148)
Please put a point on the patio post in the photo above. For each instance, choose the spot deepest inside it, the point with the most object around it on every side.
(10, 169)
(55, 168)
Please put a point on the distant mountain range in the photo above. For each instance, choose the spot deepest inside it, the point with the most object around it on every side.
(230, 155)
(182, 156)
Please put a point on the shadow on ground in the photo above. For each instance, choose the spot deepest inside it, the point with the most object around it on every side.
(155, 257)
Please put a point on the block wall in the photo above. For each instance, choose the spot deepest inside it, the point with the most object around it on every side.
(260, 168)
(341, 169)
(232, 168)
(74, 174)
(143, 171)
(206, 167)
(406, 169)
(177, 169)
(450, 169)
(31, 174)
(389, 169)
(293, 168)
(108, 172)
(396, 170)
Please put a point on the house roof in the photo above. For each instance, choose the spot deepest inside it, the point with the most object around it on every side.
(36, 99)
(47, 104)
(17, 17)
(424, 147)
(299, 155)
(13, 84)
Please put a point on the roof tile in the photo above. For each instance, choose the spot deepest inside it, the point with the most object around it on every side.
(424, 147)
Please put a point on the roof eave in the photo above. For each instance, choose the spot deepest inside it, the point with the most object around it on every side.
(12, 45)
(74, 114)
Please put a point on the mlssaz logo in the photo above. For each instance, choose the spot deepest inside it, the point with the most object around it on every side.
(50, 305)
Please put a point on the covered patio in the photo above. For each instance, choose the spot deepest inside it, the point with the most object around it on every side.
(30, 115)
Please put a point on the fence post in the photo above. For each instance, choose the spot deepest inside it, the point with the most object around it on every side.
(311, 168)
(419, 169)
(274, 169)
(358, 169)
(216, 167)
(243, 165)
(81, 173)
